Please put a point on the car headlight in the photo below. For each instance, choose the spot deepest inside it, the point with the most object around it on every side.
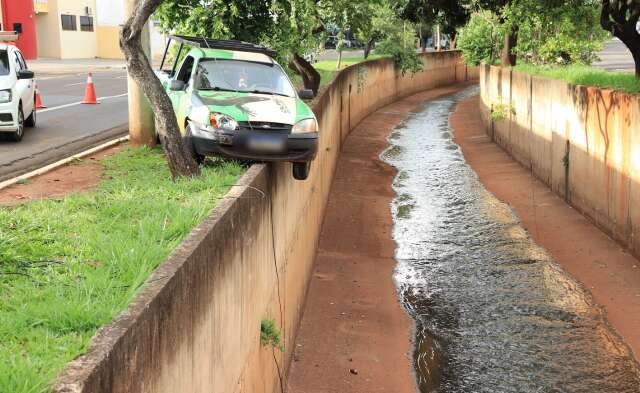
(306, 125)
(5, 96)
(220, 121)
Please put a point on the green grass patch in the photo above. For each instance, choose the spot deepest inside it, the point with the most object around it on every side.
(69, 266)
(587, 76)
(328, 69)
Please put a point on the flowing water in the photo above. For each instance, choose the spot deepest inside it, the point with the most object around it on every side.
(493, 311)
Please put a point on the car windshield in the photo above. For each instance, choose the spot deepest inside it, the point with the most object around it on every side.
(4, 63)
(243, 76)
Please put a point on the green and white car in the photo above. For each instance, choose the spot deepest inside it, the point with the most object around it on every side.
(233, 99)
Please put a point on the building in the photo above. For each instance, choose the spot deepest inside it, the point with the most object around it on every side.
(19, 16)
(69, 29)
(66, 28)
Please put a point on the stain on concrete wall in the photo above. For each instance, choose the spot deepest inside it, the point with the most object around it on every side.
(583, 142)
(195, 326)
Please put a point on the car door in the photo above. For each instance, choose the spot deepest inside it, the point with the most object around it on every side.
(181, 99)
(24, 87)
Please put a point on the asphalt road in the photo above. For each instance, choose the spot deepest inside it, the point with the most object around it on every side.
(67, 127)
(615, 57)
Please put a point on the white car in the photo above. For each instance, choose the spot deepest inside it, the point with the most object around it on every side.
(17, 94)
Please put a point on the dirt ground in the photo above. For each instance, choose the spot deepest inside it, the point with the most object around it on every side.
(77, 176)
(354, 335)
(598, 262)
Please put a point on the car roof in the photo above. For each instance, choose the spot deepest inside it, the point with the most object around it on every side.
(234, 55)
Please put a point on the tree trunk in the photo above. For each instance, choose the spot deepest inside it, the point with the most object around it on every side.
(339, 63)
(508, 58)
(367, 48)
(454, 41)
(622, 23)
(180, 159)
(310, 76)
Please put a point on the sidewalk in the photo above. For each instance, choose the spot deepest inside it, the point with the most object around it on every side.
(606, 270)
(73, 66)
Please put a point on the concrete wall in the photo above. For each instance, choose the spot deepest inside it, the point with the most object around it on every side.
(195, 327)
(583, 142)
(48, 27)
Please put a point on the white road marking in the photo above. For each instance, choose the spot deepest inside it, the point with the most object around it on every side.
(75, 84)
(79, 103)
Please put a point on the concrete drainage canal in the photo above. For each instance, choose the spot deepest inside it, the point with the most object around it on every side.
(493, 311)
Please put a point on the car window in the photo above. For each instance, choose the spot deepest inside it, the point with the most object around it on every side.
(4, 63)
(186, 70)
(243, 76)
(21, 60)
(17, 62)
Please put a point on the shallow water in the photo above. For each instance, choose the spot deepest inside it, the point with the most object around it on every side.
(493, 311)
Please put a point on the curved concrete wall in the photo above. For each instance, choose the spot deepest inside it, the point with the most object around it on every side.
(583, 142)
(195, 327)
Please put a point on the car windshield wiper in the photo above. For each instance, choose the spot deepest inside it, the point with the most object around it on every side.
(273, 93)
(216, 89)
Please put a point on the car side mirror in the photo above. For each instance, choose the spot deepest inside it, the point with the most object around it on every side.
(26, 74)
(177, 85)
(306, 94)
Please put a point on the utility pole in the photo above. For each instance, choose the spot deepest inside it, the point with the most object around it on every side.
(142, 130)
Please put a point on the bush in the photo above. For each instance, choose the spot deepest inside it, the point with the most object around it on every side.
(401, 45)
(481, 39)
(567, 34)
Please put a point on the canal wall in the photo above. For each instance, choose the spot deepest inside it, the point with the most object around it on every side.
(583, 142)
(195, 325)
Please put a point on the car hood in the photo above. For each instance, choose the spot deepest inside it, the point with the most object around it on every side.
(6, 82)
(253, 107)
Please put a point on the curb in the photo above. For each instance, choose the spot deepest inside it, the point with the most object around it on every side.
(57, 164)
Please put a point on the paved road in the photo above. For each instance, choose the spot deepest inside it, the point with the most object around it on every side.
(66, 126)
(615, 57)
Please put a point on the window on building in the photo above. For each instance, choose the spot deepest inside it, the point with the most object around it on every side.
(86, 23)
(69, 22)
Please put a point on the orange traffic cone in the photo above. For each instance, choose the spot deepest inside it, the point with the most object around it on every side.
(90, 92)
(39, 104)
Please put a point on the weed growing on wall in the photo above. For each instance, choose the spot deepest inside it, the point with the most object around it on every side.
(501, 111)
(270, 335)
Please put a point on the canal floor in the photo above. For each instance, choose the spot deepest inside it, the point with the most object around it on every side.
(494, 312)
(354, 336)
(491, 311)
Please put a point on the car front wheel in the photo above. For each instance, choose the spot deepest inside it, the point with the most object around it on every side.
(301, 170)
(17, 135)
(187, 139)
(31, 120)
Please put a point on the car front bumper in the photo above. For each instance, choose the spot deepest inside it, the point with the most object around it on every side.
(295, 147)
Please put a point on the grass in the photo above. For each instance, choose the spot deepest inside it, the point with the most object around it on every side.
(587, 76)
(69, 266)
(328, 68)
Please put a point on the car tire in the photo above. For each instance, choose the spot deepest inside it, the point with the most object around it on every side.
(301, 170)
(31, 120)
(17, 135)
(187, 139)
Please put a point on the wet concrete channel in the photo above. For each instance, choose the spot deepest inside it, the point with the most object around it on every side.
(493, 311)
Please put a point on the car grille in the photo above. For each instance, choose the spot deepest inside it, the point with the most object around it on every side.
(264, 126)
(6, 117)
